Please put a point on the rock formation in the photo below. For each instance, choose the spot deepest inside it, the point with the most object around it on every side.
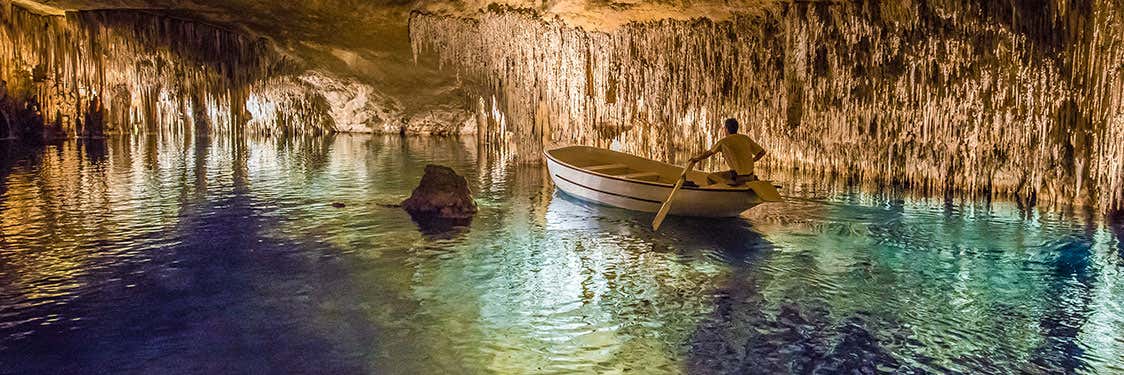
(138, 71)
(1021, 99)
(152, 71)
(980, 97)
(441, 195)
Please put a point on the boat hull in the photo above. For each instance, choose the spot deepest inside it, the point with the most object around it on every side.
(648, 196)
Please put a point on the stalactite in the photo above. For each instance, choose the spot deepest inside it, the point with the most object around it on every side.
(139, 71)
(978, 97)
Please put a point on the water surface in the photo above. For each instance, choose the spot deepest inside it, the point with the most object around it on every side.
(177, 255)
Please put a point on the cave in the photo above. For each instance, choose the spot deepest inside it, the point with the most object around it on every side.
(904, 186)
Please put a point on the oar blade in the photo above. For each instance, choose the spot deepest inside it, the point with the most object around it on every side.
(666, 207)
(659, 217)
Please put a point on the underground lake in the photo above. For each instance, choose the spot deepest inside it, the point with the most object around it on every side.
(561, 187)
(165, 255)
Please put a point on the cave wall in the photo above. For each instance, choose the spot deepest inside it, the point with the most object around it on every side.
(97, 72)
(1021, 98)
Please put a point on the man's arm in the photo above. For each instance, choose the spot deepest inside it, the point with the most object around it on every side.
(759, 155)
(705, 155)
(760, 151)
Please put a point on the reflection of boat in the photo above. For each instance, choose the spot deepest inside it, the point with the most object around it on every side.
(635, 183)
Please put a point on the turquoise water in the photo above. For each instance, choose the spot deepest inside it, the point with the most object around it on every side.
(177, 255)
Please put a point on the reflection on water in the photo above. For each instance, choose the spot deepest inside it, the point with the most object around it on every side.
(179, 255)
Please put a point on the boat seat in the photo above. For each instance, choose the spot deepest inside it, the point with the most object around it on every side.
(649, 176)
(604, 167)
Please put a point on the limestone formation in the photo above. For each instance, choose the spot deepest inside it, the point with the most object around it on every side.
(144, 71)
(985, 97)
(981, 97)
(139, 71)
(442, 194)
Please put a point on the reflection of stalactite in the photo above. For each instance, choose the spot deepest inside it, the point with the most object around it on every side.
(1068, 308)
(1116, 225)
(981, 98)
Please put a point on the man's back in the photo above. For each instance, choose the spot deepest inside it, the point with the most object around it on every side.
(739, 151)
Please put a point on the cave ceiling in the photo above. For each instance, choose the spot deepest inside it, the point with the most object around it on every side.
(368, 41)
(365, 40)
(381, 26)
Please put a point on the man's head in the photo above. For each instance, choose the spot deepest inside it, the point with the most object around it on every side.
(731, 126)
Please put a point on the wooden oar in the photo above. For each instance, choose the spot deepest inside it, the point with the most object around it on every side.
(667, 204)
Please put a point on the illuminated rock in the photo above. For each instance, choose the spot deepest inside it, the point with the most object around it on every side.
(442, 194)
(133, 71)
(137, 71)
(982, 98)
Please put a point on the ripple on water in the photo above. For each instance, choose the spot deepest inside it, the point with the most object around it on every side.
(183, 254)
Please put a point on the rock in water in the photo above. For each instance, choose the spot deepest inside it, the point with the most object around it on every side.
(442, 194)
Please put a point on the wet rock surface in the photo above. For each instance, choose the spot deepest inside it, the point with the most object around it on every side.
(441, 196)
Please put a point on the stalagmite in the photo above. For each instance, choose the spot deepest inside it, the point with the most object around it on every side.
(982, 98)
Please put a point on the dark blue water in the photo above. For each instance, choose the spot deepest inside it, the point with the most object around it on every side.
(172, 255)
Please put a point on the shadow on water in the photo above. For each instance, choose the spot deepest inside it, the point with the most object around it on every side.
(753, 329)
(763, 322)
(1116, 225)
(746, 334)
(1069, 296)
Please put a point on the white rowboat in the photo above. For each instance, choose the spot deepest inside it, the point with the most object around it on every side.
(635, 183)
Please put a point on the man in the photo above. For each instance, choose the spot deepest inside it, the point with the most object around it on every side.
(740, 153)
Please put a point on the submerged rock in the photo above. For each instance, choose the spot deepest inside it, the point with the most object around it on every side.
(441, 195)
